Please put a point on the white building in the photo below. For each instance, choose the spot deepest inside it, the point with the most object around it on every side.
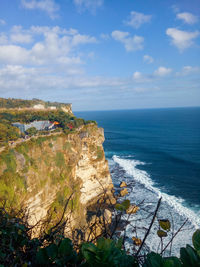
(39, 106)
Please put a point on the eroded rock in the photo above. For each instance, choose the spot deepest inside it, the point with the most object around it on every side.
(132, 209)
(123, 192)
(137, 241)
(123, 184)
(108, 216)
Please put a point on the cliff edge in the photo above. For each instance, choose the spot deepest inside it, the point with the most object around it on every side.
(40, 174)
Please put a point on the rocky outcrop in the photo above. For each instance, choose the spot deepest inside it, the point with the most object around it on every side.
(41, 174)
(132, 209)
(123, 184)
(123, 192)
(137, 241)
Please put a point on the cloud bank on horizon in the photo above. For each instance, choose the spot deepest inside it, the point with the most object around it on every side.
(101, 54)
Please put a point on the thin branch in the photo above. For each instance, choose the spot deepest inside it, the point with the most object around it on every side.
(174, 236)
(148, 231)
(66, 204)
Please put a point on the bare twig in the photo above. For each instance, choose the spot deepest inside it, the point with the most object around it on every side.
(174, 236)
(148, 231)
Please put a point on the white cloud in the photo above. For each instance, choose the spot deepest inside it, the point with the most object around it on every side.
(163, 74)
(21, 38)
(3, 38)
(130, 43)
(12, 54)
(56, 29)
(136, 19)
(52, 60)
(90, 5)
(182, 39)
(187, 17)
(2, 22)
(118, 35)
(19, 35)
(148, 59)
(15, 77)
(137, 75)
(105, 36)
(48, 6)
(187, 70)
(82, 39)
(162, 71)
(56, 46)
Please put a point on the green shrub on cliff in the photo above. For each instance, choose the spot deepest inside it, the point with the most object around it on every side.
(31, 131)
(99, 153)
(9, 158)
(11, 133)
(11, 190)
(60, 161)
(8, 132)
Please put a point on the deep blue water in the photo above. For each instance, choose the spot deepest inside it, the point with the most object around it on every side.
(157, 152)
(167, 140)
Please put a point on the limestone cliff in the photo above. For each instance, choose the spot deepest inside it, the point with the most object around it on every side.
(41, 174)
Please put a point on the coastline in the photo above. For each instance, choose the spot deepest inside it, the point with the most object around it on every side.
(159, 150)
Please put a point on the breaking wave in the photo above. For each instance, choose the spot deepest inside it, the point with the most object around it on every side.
(142, 177)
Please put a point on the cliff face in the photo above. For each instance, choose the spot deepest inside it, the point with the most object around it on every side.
(42, 173)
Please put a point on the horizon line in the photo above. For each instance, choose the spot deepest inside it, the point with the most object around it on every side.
(90, 110)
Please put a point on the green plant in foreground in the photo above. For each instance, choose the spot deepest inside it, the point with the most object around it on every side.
(189, 256)
(108, 253)
(60, 254)
(53, 249)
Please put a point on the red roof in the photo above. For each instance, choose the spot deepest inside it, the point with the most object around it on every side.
(70, 126)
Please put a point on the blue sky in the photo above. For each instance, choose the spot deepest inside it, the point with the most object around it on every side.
(101, 54)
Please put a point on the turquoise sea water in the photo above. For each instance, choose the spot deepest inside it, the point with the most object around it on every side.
(157, 151)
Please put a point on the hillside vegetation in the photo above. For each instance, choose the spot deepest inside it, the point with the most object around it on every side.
(10, 133)
(12, 103)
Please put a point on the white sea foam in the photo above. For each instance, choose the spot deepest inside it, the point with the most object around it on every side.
(141, 176)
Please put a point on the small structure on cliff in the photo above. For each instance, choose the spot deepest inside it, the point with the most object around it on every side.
(39, 125)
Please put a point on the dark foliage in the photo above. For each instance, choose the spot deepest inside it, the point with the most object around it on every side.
(53, 249)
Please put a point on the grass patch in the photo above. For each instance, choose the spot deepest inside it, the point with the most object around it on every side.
(33, 164)
(40, 140)
(54, 176)
(54, 138)
(60, 160)
(12, 189)
(99, 153)
(10, 160)
(67, 146)
(50, 145)
(43, 183)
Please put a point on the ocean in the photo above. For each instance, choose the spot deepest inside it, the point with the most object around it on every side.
(157, 153)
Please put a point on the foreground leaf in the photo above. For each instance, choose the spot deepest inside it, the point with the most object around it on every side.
(189, 257)
(171, 262)
(165, 224)
(153, 260)
(161, 233)
(196, 239)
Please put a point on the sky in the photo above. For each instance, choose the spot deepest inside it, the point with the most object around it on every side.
(101, 54)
